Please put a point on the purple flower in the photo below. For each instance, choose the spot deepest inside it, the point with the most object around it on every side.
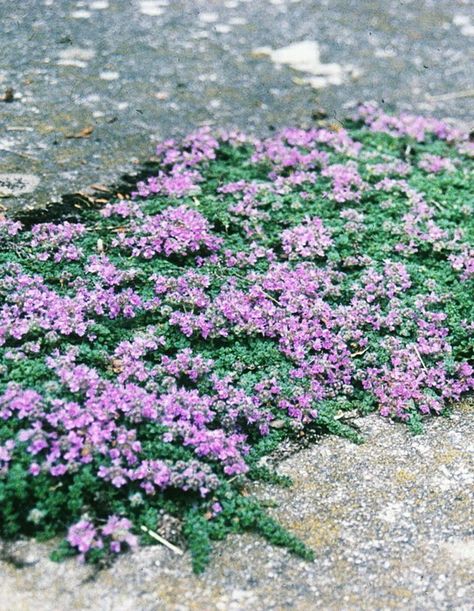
(435, 164)
(118, 529)
(84, 536)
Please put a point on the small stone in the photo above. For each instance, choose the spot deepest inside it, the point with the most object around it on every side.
(277, 424)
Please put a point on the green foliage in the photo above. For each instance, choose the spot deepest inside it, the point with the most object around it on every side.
(42, 507)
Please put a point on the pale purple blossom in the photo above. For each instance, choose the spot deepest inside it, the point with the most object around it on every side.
(307, 240)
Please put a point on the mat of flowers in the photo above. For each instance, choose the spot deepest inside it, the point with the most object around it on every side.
(153, 351)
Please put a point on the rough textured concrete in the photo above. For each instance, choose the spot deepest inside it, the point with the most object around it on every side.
(391, 522)
(95, 82)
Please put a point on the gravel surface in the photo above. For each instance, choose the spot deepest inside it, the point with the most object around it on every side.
(391, 522)
(89, 85)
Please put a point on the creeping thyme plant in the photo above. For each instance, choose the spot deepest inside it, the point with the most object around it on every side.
(153, 351)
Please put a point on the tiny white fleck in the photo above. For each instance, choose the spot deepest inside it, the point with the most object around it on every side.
(222, 28)
(109, 75)
(237, 21)
(99, 5)
(151, 8)
(81, 14)
(208, 17)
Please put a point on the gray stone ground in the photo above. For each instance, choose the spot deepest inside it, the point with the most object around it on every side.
(392, 520)
(135, 71)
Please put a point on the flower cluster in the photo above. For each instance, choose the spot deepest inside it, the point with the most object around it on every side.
(347, 184)
(122, 209)
(51, 240)
(6, 456)
(84, 536)
(174, 231)
(406, 124)
(463, 262)
(8, 228)
(108, 273)
(306, 241)
(390, 168)
(435, 164)
(180, 177)
(29, 306)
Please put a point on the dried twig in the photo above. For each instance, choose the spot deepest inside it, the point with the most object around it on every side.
(162, 540)
(24, 155)
(437, 205)
(99, 187)
(84, 133)
(452, 95)
(360, 352)
(419, 356)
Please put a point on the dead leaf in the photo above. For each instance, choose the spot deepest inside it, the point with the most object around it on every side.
(299, 81)
(261, 52)
(99, 187)
(9, 95)
(84, 133)
(85, 196)
(117, 365)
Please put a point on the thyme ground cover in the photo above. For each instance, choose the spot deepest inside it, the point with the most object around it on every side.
(153, 351)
